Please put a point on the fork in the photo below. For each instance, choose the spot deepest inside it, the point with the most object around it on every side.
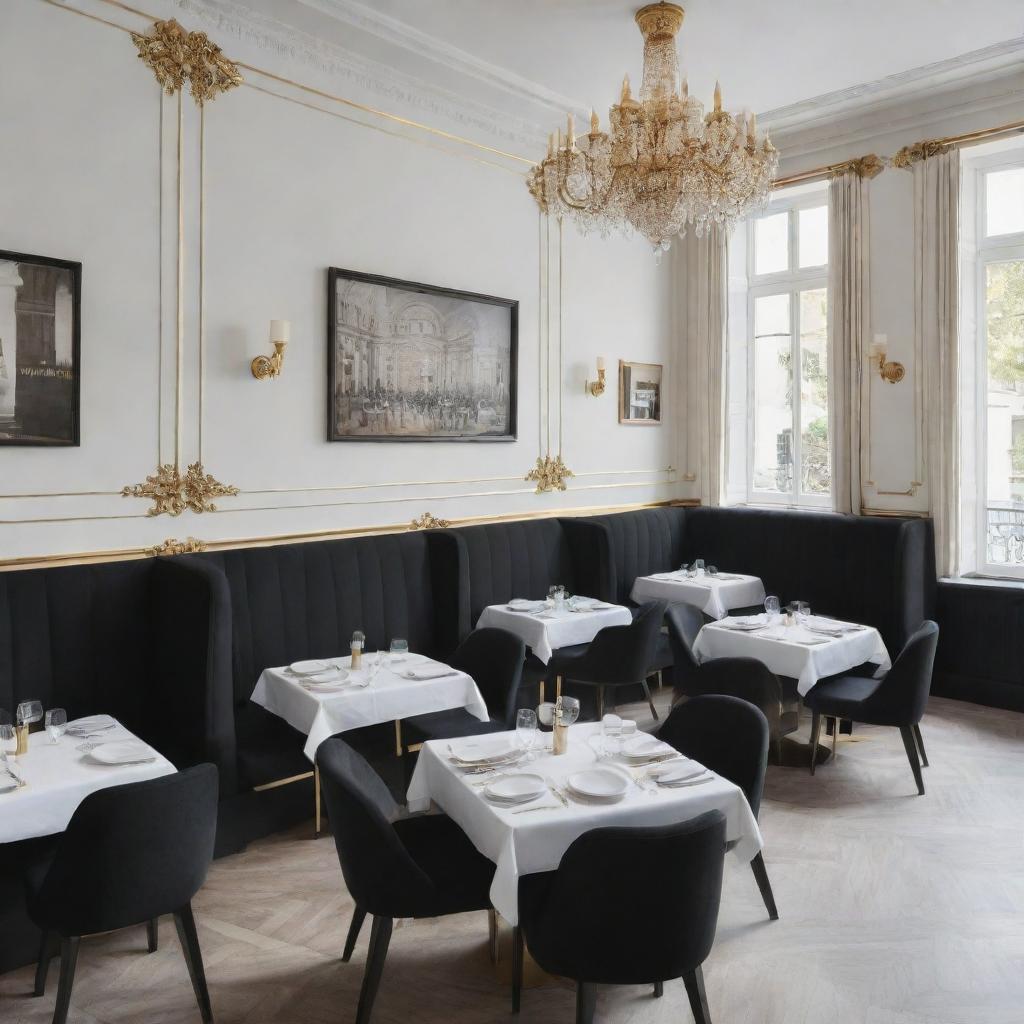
(12, 773)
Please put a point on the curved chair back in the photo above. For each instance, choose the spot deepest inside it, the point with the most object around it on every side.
(382, 877)
(132, 853)
(901, 698)
(494, 658)
(725, 734)
(750, 680)
(577, 927)
(623, 654)
(684, 623)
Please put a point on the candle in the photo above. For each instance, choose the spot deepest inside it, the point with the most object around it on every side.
(594, 123)
(718, 96)
(570, 132)
(551, 144)
(878, 346)
(280, 330)
(686, 88)
(600, 362)
(625, 89)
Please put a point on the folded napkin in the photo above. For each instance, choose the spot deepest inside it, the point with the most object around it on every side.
(428, 672)
(94, 723)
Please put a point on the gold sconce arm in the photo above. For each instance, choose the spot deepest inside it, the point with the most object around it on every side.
(892, 372)
(597, 387)
(269, 367)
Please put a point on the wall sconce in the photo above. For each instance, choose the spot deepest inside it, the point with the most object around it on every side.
(269, 367)
(892, 372)
(597, 387)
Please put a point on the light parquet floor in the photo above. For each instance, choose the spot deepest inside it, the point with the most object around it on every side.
(895, 909)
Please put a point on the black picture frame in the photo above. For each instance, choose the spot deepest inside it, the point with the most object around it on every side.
(47, 394)
(506, 390)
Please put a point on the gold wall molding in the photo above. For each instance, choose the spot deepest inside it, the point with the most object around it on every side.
(188, 546)
(428, 521)
(550, 474)
(178, 58)
(172, 493)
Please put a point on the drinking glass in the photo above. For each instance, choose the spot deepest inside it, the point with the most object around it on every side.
(29, 711)
(570, 710)
(712, 570)
(699, 566)
(56, 723)
(8, 741)
(803, 612)
(399, 650)
(611, 735)
(526, 730)
(556, 595)
(772, 606)
(374, 661)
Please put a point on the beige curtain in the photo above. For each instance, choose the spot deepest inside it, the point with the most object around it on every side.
(936, 340)
(704, 322)
(848, 324)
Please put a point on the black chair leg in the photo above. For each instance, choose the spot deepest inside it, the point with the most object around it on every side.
(910, 744)
(517, 967)
(49, 947)
(659, 989)
(189, 939)
(650, 700)
(920, 745)
(694, 982)
(586, 1002)
(380, 938)
(358, 916)
(153, 934)
(761, 874)
(68, 959)
(815, 735)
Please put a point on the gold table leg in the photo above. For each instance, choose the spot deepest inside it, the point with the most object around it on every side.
(316, 802)
(398, 737)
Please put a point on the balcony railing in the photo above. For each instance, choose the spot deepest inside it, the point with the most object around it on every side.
(1004, 534)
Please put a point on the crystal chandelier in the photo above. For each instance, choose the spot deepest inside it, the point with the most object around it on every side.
(664, 164)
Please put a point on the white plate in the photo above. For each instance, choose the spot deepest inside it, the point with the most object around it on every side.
(645, 746)
(309, 668)
(676, 772)
(476, 753)
(516, 788)
(94, 723)
(123, 752)
(599, 784)
(331, 677)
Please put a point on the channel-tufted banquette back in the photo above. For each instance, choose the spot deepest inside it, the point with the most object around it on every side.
(643, 541)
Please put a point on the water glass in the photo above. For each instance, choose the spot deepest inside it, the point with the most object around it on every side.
(29, 711)
(8, 741)
(698, 566)
(712, 570)
(803, 612)
(374, 661)
(772, 606)
(611, 735)
(56, 723)
(526, 730)
(399, 650)
(556, 595)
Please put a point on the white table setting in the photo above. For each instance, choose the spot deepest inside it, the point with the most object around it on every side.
(322, 697)
(707, 588)
(560, 621)
(523, 810)
(804, 647)
(41, 788)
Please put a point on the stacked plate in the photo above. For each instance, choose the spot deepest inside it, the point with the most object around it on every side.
(520, 604)
(82, 727)
(319, 674)
(681, 772)
(479, 755)
(598, 785)
(516, 788)
(645, 749)
(123, 752)
(744, 623)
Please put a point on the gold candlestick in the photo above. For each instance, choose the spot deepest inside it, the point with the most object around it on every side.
(21, 733)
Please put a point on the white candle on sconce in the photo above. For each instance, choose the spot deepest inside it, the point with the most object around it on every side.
(280, 330)
(600, 362)
(879, 345)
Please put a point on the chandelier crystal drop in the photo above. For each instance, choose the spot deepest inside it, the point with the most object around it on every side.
(664, 165)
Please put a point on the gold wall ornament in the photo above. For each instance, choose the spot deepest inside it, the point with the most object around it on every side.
(177, 56)
(172, 493)
(428, 521)
(550, 473)
(188, 546)
(910, 155)
(870, 166)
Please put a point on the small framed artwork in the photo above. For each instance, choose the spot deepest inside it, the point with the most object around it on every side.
(415, 362)
(40, 340)
(640, 393)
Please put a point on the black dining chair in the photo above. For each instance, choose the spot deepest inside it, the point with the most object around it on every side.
(729, 736)
(684, 622)
(493, 658)
(576, 927)
(897, 699)
(617, 656)
(129, 855)
(421, 866)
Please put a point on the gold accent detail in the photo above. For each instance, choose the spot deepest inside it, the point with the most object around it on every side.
(661, 19)
(910, 492)
(277, 783)
(316, 801)
(550, 473)
(890, 371)
(893, 513)
(398, 738)
(172, 493)
(176, 57)
(428, 521)
(269, 367)
(178, 547)
(870, 166)
(596, 388)
(21, 736)
(910, 155)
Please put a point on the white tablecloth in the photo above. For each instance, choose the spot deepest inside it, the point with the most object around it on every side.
(545, 632)
(58, 778)
(520, 844)
(782, 650)
(388, 698)
(712, 595)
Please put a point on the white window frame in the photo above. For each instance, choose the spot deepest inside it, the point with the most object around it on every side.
(988, 249)
(788, 282)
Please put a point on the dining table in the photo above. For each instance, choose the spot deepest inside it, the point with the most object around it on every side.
(532, 837)
(714, 594)
(544, 627)
(57, 777)
(805, 651)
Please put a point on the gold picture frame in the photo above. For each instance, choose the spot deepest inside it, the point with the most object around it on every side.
(640, 395)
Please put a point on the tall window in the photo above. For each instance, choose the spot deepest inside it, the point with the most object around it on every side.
(999, 361)
(787, 353)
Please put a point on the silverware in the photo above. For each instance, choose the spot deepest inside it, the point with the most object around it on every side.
(13, 774)
(545, 807)
(561, 796)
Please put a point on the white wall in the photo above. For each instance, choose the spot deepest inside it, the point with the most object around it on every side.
(289, 192)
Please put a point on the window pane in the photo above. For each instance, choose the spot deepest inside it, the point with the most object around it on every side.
(1004, 332)
(815, 475)
(773, 395)
(771, 244)
(1004, 201)
(813, 236)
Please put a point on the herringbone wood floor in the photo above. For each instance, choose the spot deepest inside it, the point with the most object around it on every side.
(895, 909)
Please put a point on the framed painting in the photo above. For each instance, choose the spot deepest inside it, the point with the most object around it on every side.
(40, 342)
(640, 393)
(414, 362)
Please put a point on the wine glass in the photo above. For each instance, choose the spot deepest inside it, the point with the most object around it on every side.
(399, 650)
(29, 711)
(526, 730)
(56, 723)
(712, 570)
(374, 663)
(8, 741)
(803, 612)
(772, 606)
(570, 710)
